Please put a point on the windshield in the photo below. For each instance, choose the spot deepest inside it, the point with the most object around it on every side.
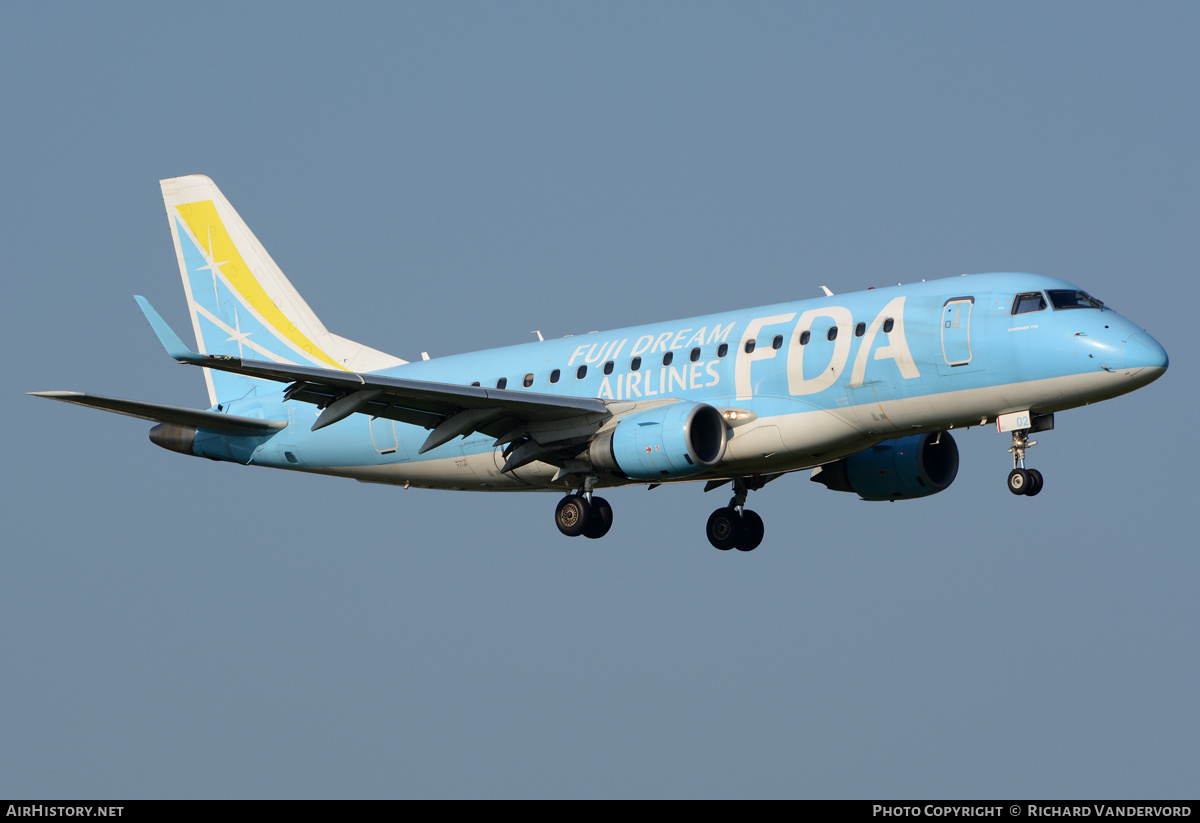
(1029, 301)
(1069, 299)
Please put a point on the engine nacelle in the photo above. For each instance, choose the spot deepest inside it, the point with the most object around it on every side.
(915, 466)
(668, 441)
(174, 437)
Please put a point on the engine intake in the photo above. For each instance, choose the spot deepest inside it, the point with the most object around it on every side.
(668, 441)
(915, 466)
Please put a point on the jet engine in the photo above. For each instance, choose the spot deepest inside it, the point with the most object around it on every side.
(915, 466)
(667, 441)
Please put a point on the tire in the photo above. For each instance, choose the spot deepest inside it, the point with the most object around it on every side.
(724, 528)
(599, 519)
(1018, 481)
(1035, 482)
(752, 531)
(572, 515)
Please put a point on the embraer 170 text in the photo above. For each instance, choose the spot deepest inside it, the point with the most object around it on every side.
(860, 388)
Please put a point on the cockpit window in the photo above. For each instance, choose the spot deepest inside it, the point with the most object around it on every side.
(1030, 301)
(1070, 299)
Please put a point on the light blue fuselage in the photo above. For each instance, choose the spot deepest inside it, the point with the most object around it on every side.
(907, 359)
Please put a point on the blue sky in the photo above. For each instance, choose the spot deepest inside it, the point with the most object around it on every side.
(448, 177)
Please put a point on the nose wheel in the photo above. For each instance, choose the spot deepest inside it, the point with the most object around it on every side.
(1022, 480)
(1025, 481)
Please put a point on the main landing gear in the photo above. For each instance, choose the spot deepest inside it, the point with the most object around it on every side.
(583, 513)
(1022, 480)
(735, 526)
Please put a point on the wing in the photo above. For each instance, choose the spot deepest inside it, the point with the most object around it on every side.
(535, 426)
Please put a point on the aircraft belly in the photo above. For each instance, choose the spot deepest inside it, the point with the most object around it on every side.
(970, 407)
(477, 452)
(813, 434)
(462, 472)
(533, 474)
(867, 411)
(754, 443)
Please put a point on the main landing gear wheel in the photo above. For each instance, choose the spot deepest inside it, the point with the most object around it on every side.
(752, 531)
(729, 529)
(724, 527)
(599, 519)
(735, 526)
(572, 515)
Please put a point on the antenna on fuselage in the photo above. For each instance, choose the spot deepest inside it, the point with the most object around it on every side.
(828, 293)
(538, 332)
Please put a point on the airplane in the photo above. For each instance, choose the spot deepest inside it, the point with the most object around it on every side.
(861, 389)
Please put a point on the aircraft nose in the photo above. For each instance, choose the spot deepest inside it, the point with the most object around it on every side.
(1144, 352)
(1144, 356)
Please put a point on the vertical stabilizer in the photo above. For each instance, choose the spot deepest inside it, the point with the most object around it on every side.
(240, 302)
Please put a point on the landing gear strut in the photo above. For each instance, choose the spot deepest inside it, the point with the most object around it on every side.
(583, 513)
(1022, 480)
(735, 526)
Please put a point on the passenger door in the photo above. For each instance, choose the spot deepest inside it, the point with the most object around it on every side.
(957, 354)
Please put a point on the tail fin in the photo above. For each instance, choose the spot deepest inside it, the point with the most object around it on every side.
(240, 302)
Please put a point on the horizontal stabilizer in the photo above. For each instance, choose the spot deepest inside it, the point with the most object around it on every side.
(179, 415)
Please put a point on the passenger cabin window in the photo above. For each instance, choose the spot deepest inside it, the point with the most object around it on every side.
(860, 329)
(832, 333)
(722, 350)
(528, 381)
(476, 383)
(668, 358)
(502, 382)
(750, 345)
(635, 364)
(608, 367)
(554, 375)
(1071, 299)
(1030, 301)
(695, 355)
(887, 325)
(581, 373)
(777, 343)
(804, 338)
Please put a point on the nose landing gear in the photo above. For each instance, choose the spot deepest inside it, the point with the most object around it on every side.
(1022, 480)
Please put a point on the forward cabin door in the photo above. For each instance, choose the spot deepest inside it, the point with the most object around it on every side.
(958, 355)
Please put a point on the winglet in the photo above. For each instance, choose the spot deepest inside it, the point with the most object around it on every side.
(166, 335)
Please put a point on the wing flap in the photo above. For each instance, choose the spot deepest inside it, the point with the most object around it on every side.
(419, 402)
